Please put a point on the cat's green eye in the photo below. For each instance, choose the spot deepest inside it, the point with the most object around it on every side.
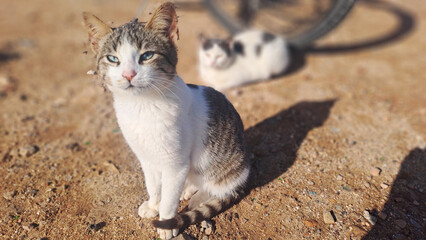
(112, 59)
(146, 56)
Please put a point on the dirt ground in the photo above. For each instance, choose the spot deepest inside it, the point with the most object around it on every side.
(354, 103)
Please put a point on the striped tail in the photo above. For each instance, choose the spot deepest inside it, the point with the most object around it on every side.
(206, 210)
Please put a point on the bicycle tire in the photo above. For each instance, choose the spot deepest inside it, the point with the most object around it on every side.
(334, 16)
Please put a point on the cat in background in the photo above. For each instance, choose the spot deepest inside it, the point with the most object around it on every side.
(248, 57)
(189, 139)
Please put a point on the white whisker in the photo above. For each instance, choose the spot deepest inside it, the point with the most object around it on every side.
(165, 87)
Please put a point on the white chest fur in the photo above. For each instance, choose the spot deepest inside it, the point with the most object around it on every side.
(156, 126)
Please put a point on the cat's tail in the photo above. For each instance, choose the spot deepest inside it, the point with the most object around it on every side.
(206, 210)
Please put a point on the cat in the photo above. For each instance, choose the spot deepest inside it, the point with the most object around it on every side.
(249, 56)
(189, 139)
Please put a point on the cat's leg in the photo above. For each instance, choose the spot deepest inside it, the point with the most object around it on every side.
(172, 181)
(198, 198)
(149, 209)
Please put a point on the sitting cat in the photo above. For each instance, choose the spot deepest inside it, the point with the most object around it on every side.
(249, 56)
(188, 138)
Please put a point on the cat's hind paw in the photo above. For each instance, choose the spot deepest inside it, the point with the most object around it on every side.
(188, 192)
(145, 211)
(167, 233)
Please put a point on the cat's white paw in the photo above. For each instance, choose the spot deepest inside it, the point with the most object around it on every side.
(167, 233)
(187, 193)
(145, 211)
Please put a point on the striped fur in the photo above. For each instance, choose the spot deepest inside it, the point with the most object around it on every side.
(204, 211)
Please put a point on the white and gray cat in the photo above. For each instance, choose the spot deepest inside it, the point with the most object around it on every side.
(188, 138)
(248, 57)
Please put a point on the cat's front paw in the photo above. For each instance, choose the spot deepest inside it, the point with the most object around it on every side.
(167, 233)
(146, 211)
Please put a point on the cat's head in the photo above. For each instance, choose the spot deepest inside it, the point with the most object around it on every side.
(136, 57)
(215, 53)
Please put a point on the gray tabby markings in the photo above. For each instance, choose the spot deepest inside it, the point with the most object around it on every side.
(225, 139)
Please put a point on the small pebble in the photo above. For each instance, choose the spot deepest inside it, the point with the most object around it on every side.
(34, 225)
(6, 84)
(383, 215)
(328, 217)
(28, 150)
(98, 226)
(370, 218)
(33, 192)
(310, 182)
(384, 185)
(335, 130)
(375, 171)
(357, 231)
(400, 223)
(339, 177)
(75, 147)
(416, 203)
(208, 231)
(9, 195)
(207, 225)
(310, 223)
(338, 207)
(59, 102)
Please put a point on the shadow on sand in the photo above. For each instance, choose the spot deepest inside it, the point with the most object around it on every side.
(276, 140)
(405, 209)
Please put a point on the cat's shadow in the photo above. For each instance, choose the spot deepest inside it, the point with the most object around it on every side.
(274, 142)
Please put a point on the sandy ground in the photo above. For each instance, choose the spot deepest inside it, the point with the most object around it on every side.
(353, 103)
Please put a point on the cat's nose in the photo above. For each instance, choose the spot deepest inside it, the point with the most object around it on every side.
(129, 75)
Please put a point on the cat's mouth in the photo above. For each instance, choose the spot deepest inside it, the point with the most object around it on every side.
(136, 88)
(130, 86)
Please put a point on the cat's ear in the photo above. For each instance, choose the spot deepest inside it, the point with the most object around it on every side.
(96, 29)
(164, 20)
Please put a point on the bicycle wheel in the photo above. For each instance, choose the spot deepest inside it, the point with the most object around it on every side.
(300, 21)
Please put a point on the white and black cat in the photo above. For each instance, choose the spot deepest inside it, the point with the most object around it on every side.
(188, 138)
(248, 57)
